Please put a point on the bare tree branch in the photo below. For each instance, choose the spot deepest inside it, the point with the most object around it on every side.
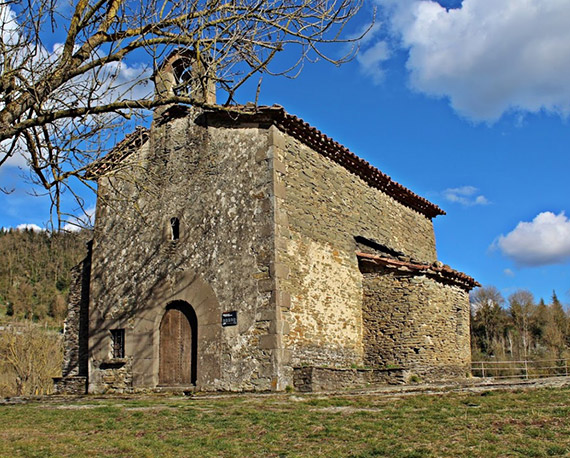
(59, 107)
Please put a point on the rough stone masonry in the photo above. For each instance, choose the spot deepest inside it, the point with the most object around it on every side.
(245, 250)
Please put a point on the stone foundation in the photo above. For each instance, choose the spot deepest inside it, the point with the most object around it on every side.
(70, 385)
(307, 379)
(114, 376)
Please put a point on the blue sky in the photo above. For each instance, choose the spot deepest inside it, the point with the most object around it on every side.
(464, 103)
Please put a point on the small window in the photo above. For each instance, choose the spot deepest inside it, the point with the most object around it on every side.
(118, 343)
(175, 227)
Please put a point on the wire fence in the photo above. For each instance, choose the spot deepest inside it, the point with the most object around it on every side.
(521, 369)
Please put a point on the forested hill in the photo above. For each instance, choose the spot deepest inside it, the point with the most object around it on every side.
(35, 273)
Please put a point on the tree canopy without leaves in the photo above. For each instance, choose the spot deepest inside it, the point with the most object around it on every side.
(60, 102)
(524, 329)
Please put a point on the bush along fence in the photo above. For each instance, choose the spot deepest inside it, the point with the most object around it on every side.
(521, 369)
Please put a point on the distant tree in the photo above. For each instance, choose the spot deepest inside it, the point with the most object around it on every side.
(521, 310)
(488, 319)
(35, 273)
(539, 320)
(556, 327)
(558, 313)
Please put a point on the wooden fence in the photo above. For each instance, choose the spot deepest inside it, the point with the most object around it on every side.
(521, 369)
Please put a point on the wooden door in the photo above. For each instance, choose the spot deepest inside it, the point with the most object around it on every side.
(175, 349)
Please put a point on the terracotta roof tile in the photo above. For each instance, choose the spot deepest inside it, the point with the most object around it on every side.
(436, 270)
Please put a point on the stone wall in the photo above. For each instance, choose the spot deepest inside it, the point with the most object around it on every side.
(322, 209)
(75, 331)
(76, 321)
(70, 385)
(114, 375)
(417, 323)
(331, 206)
(218, 182)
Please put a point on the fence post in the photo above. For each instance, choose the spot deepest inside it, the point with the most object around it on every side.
(482, 369)
(525, 369)
(566, 367)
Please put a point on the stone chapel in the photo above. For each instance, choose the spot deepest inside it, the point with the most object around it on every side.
(242, 249)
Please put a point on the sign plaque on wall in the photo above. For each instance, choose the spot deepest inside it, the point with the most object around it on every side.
(229, 318)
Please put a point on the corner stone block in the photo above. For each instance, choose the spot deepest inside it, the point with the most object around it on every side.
(287, 356)
(280, 190)
(275, 327)
(261, 155)
(265, 285)
(266, 315)
(269, 342)
(281, 244)
(279, 270)
(283, 300)
(281, 218)
(279, 166)
(266, 230)
(276, 138)
(266, 206)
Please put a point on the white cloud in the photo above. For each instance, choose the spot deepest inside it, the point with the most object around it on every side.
(371, 61)
(17, 159)
(545, 240)
(488, 56)
(76, 223)
(481, 200)
(373, 51)
(28, 226)
(465, 195)
(8, 25)
(509, 273)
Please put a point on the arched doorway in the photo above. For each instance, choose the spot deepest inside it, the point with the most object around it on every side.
(178, 345)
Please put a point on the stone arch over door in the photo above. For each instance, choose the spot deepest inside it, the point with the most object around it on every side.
(178, 351)
(190, 288)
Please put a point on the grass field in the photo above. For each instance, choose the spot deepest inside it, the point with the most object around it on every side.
(531, 423)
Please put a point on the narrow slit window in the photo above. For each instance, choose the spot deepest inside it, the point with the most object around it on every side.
(118, 343)
(175, 227)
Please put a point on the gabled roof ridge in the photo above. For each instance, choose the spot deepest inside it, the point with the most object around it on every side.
(297, 128)
(339, 153)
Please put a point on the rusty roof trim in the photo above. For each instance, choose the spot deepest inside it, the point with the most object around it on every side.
(436, 270)
(328, 147)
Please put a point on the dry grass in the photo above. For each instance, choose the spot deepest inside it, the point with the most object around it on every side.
(30, 355)
(499, 423)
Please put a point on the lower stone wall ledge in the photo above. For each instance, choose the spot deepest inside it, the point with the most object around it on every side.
(70, 385)
(312, 378)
